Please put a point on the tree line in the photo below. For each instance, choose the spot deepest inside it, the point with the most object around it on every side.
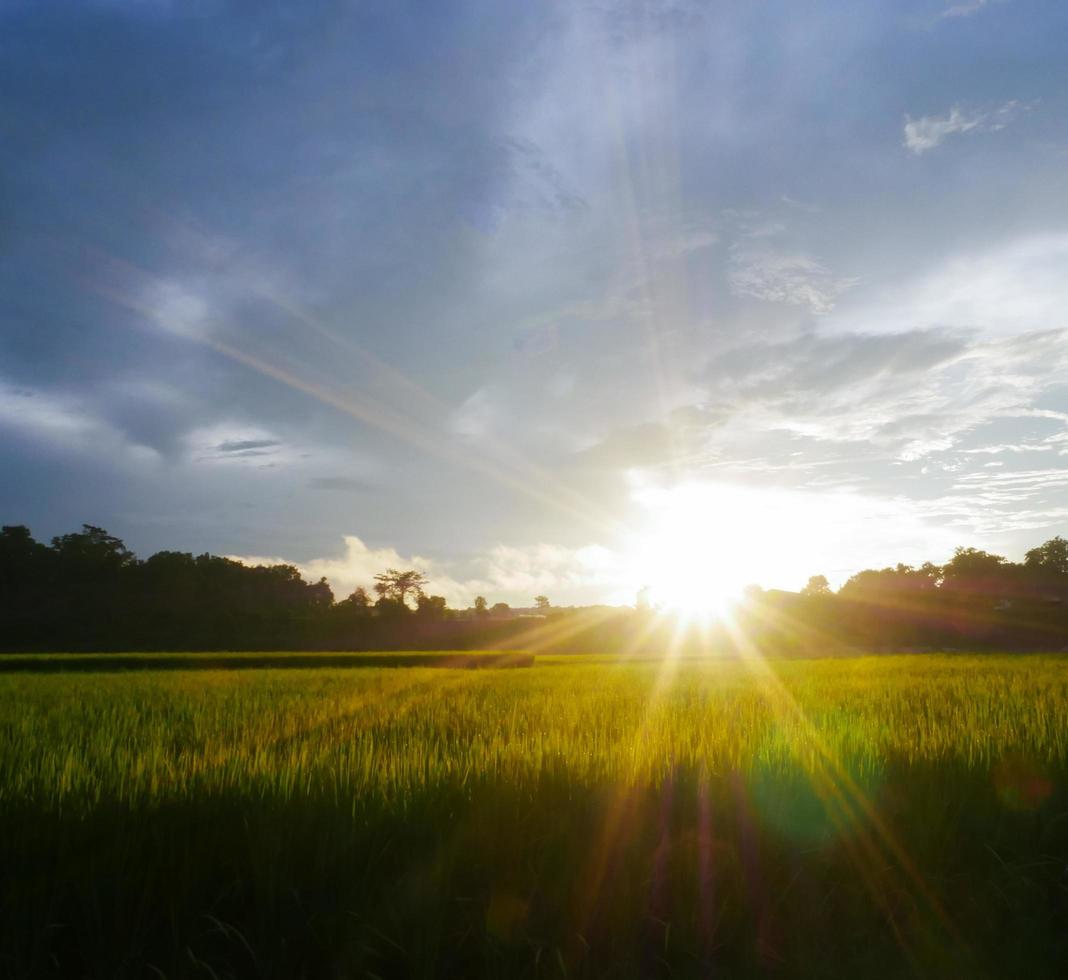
(88, 591)
(976, 599)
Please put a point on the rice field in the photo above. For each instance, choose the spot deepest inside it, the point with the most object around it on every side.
(877, 816)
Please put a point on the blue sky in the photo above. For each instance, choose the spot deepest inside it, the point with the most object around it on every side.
(503, 289)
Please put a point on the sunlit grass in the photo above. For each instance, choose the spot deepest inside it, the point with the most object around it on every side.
(74, 740)
(590, 816)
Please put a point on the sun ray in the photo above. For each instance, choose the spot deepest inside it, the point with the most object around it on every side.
(504, 466)
(869, 841)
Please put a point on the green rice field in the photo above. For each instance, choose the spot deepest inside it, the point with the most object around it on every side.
(582, 817)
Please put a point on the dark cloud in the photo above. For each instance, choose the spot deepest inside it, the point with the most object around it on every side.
(245, 445)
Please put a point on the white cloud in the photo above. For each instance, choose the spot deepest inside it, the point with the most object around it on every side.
(965, 9)
(212, 297)
(503, 573)
(478, 415)
(918, 448)
(904, 396)
(357, 567)
(576, 573)
(64, 422)
(43, 415)
(993, 380)
(1014, 287)
(1008, 447)
(1003, 502)
(177, 306)
(927, 132)
(784, 277)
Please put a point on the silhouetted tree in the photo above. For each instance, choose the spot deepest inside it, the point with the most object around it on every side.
(390, 606)
(320, 594)
(892, 583)
(393, 584)
(978, 573)
(91, 554)
(88, 591)
(817, 585)
(358, 598)
(27, 595)
(1050, 558)
(431, 606)
(541, 602)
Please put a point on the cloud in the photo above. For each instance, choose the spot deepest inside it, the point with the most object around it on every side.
(357, 566)
(965, 9)
(842, 389)
(843, 408)
(1023, 447)
(501, 573)
(246, 445)
(846, 410)
(575, 575)
(43, 415)
(479, 414)
(66, 423)
(229, 446)
(237, 443)
(783, 277)
(1003, 502)
(1013, 287)
(927, 132)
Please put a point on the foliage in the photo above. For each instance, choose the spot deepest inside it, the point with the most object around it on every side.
(1050, 558)
(398, 585)
(817, 585)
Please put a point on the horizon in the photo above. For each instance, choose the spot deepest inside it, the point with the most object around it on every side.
(568, 301)
(690, 604)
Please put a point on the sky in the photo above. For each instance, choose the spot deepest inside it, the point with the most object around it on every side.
(559, 298)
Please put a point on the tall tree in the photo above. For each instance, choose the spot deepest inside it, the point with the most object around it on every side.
(431, 606)
(1049, 558)
(978, 572)
(394, 584)
(817, 585)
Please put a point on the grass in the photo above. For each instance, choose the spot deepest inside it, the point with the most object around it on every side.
(67, 663)
(886, 816)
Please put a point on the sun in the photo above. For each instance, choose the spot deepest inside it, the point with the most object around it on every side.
(699, 546)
